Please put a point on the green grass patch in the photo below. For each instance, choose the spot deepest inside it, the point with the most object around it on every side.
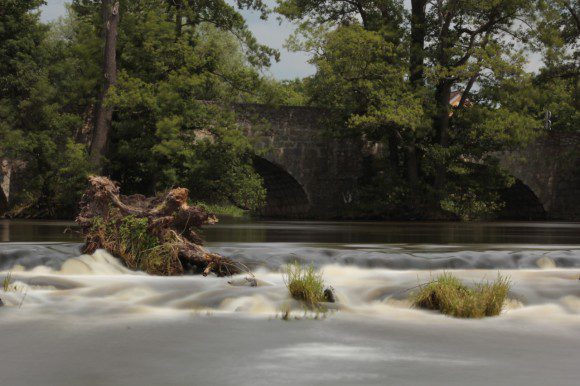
(222, 209)
(7, 282)
(448, 295)
(305, 284)
(129, 239)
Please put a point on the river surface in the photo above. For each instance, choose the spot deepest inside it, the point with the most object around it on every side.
(87, 320)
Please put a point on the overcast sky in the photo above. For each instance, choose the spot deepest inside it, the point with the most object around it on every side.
(270, 32)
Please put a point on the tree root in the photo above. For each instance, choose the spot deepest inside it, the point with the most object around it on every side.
(154, 234)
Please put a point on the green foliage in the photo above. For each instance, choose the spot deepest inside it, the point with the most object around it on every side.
(135, 241)
(129, 239)
(397, 97)
(305, 284)
(175, 56)
(469, 205)
(448, 295)
(164, 133)
(39, 115)
(222, 210)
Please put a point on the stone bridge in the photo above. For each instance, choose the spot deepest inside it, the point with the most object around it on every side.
(307, 173)
(550, 169)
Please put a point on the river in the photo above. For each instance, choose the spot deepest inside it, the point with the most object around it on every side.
(87, 320)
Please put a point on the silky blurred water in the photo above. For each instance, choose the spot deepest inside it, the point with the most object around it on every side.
(67, 315)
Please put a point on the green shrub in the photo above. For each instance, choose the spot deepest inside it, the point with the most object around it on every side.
(448, 295)
(222, 210)
(305, 284)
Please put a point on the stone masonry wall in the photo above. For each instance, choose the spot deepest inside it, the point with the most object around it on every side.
(297, 139)
(551, 168)
(327, 168)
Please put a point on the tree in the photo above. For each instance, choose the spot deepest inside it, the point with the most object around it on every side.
(558, 38)
(162, 133)
(439, 47)
(188, 14)
(104, 114)
(37, 119)
(171, 58)
(20, 34)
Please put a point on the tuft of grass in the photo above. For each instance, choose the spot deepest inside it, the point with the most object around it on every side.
(224, 210)
(7, 282)
(305, 284)
(448, 295)
(285, 312)
(129, 239)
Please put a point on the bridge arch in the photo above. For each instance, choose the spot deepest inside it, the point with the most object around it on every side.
(521, 203)
(285, 196)
(550, 166)
(3, 202)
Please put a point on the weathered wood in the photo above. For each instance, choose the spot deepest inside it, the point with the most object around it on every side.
(157, 234)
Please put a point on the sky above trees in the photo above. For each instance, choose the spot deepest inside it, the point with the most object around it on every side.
(270, 32)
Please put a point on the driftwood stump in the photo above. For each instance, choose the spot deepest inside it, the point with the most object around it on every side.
(153, 234)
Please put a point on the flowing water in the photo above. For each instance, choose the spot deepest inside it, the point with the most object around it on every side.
(72, 319)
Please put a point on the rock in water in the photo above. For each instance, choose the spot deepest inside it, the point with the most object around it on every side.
(329, 295)
(245, 282)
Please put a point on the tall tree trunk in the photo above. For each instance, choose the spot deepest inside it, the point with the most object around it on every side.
(412, 163)
(394, 152)
(178, 18)
(5, 177)
(104, 115)
(416, 74)
(418, 32)
(577, 91)
(442, 96)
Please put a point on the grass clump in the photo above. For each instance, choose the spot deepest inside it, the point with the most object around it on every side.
(129, 238)
(7, 282)
(448, 295)
(222, 210)
(305, 284)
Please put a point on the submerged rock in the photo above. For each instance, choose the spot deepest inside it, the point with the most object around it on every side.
(329, 295)
(546, 263)
(245, 282)
(249, 282)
